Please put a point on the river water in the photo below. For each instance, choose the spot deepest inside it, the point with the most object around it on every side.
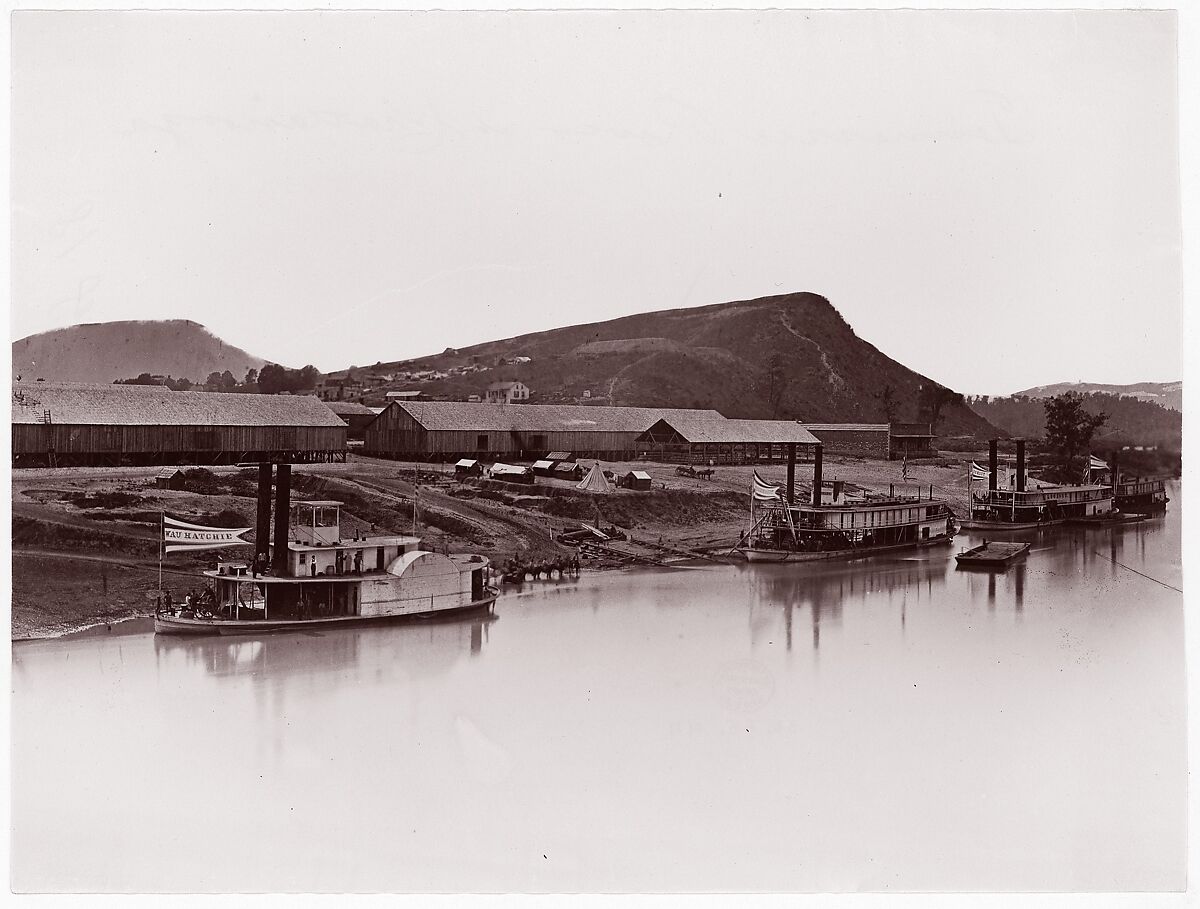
(889, 724)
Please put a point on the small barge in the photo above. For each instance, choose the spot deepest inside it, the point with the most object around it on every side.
(323, 580)
(991, 554)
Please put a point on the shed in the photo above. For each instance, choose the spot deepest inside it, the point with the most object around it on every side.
(511, 473)
(169, 479)
(559, 456)
(543, 468)
(637, 479)
(468, 467)
(568, 470)
(76, 424)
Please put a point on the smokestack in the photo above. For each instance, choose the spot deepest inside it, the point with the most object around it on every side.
(1020, 465)
(1114, 470)
(283, 507)
(791, 474)
(262, 529)
(817, 451)
(838, 486)
(992, 465)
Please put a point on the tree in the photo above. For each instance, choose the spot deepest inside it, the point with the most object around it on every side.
(1069, 431)
(228, 380)
(931, 399)
(774, 382)
(307, 378)
(213, 380)
(888, 403)
(272, 379)
(251, 376)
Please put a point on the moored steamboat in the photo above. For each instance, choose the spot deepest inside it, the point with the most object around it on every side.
(323, 580)
(839, 525)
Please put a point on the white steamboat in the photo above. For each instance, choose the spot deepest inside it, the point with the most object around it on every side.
(330, 581)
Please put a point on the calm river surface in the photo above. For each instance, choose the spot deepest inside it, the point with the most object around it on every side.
(890, 724)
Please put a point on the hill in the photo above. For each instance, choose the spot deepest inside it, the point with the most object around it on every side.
(1166, 394)
(105, 351)
(1130, 421)
(785, 357)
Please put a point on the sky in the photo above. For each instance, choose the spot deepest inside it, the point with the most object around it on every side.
(990, 198)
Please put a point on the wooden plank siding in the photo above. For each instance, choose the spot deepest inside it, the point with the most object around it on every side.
(84, 444)
(395, 434)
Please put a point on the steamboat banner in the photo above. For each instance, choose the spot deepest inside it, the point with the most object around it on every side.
(179, 535)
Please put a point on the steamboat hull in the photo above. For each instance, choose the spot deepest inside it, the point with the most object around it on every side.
(844, 555)
(181, 626)
(969, 524)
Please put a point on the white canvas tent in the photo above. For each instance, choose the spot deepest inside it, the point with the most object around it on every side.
(595, 481)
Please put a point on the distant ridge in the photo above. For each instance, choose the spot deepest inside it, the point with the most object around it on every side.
(105, 351)
(1165, 394)
(790, 356)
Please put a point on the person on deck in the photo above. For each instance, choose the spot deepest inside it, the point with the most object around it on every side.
(312, 567)
(358, 562)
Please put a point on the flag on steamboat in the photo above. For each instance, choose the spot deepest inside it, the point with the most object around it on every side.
(180, 536)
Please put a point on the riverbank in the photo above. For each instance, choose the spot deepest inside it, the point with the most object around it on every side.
(85, 539)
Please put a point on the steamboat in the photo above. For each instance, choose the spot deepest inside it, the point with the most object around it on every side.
(1015, 507)
(323, 579)
(838, 524)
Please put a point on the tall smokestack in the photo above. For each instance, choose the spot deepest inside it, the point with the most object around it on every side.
(817, 451)
(1020, 465)
(1114, 469)
(992, 459)
(262, 529)
(283, 506)
(791, 474)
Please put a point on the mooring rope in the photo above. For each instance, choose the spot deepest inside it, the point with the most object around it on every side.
(1135, 571)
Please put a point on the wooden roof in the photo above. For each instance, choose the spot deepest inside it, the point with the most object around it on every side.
(155, 405)
(465, 415)
(847, 427)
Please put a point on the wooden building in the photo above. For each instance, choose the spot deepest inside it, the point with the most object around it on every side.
(636, 479)
(356, 417)
(697, 437)
(876, 440)
(863, 440)
(79, 425)
(911, 440)
(170, 479)
(445, 430)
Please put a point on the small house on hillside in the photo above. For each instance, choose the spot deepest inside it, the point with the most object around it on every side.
(507, 393)
(636, 479)
(169, 479)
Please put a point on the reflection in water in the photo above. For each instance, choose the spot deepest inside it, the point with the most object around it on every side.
(415, 648)
(823, 588)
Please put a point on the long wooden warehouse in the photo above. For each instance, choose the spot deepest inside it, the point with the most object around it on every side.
(78, 425)
(696, 438)
(441, 430)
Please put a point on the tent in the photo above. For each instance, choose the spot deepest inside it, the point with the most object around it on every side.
(595, 481)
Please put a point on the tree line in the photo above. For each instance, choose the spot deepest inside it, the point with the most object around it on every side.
(272, 379)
